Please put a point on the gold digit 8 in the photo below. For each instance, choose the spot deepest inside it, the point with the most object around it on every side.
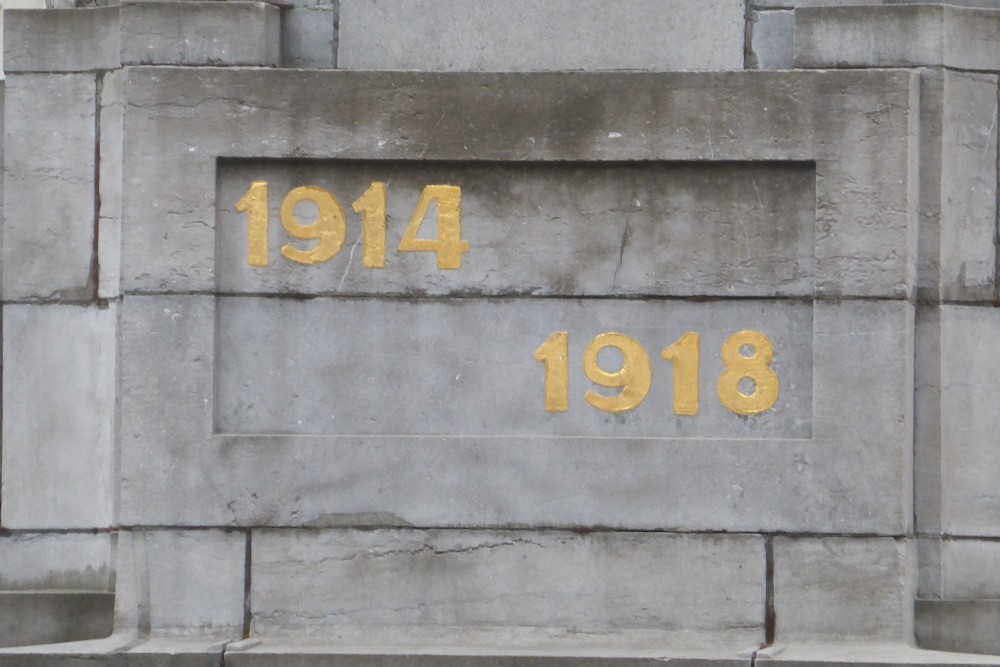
(754, 367)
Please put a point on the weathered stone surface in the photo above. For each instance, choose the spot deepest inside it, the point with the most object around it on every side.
(970, 569)
(304, 582)
(927, 473)
(48, 617)
(87, 39)
(788, 4)
(965, 626)
(309, 36)
(852, 475)
(59, 415)
(897, 36)
(561, 34)
(35, 561)
(481, 647)
(836, 587)
(121, 649)
(880, 654)
(109, 225)
(733, 229)
(859, 127)
(336, 367)
(773, 33)
(958, 174)
(175, 582)
(970, 460)
(202, 33)
(49, 210)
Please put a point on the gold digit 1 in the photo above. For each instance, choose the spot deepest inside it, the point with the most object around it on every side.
(634, 378)
(254, 204)
(449, 244)
(373, 204)
(754, 367)
(330, 226)
(685, 354)
(554, 353)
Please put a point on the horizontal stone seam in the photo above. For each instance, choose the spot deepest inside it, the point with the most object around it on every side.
(577, 530)
(298, 296)
(932, 66)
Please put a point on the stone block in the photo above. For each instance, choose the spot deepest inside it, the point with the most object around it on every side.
(49, 172)
(962, 626)
(49, 617)
(36, 561)
(927, 421)
(87, 39)
(746, 229)
(958, 185)
(561, 34)
(897, 36)
(306, 582)
(970, 569)
(852, 474)
(478, 376)
(59, 415)
(200, 33)
(859, 128)
(309, 36)
(844, 588)
(970, 459)
(462, 647)
(109, 224)
(772, 43)
(181, 583)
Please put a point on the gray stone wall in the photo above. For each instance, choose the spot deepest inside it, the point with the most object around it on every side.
(304, 464)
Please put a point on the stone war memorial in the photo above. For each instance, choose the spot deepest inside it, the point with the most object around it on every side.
(443, 333)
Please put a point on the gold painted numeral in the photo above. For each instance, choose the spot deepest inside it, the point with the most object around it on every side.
(372, 205)
(686, 355)
(635, 377)
(754, 367)
(330, 225)
(554, 353)
(449, 244)
(254, 204)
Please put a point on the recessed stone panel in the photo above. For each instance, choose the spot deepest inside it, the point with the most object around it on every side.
(677, 228)
(468, 367)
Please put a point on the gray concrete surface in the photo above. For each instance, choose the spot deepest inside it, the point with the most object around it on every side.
(560, 35)
(305, 582)
(177, 583)
(56, 561)
(87, 39)
(863, 130)
(204, 33)
(843, 587)
(745, 229)
(47, 617)
(897, 36)
(49, 186)
(59, 416)
(813, 204)
(860, 450)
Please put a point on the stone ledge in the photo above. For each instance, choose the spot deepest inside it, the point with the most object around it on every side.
(897, 36)
(972, 626)
(511, 647)
(195, 33)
